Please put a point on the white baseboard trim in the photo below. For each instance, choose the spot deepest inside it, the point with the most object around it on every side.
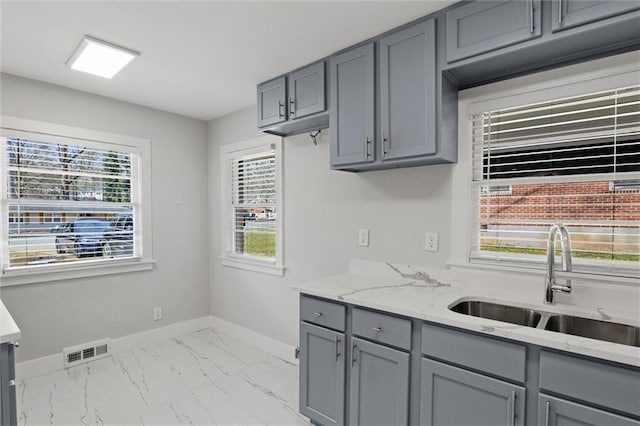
(260, 341)
(52, 363)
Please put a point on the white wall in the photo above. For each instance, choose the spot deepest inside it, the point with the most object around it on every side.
(323, 210)
(63, 313)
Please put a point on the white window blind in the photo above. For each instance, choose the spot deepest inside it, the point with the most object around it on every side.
(254, 203)
(67, 202)
(575, 161)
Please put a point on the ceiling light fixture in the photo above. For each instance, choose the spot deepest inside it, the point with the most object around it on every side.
(100, 57)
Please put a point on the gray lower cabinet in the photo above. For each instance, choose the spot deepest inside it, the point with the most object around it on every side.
(452, 396)
(322, 374)
(572, 13)
(352, 114)
(558, 412)
(379, 385)
(408, 92)
(482, 26)
(8, 415)
(272, 97)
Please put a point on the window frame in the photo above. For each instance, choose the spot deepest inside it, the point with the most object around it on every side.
(50, 132)
(240, 261)
(590, 77)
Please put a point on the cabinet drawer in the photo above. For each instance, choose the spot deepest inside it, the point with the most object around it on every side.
(382, 328)
(600, 383)
(501, 358)
(322, 312)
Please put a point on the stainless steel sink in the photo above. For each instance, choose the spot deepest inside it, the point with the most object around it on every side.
(595, 329)
(494, 311)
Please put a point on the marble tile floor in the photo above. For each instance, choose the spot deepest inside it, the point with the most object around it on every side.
(200, 378)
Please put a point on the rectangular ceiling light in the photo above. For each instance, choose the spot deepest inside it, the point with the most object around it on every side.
(100, 57)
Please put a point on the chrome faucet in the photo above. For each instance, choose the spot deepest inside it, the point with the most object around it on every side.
(550, 281)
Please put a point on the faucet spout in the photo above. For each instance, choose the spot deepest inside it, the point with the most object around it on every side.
(565, 243)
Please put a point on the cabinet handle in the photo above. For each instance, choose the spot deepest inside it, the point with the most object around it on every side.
(280, 111)
(292, 110)
(337, 348)
(384, 144)
(513, 408)
(559, 11)
(531, 23)
(16, 344)
(353, 353)
(547, 413)
(377, 329)
(12, 383)
(318, 314)
(366, 147)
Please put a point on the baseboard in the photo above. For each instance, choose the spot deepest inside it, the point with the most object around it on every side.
(52, 363)
(260, 341)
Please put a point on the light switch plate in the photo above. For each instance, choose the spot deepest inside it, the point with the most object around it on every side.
(363, 238)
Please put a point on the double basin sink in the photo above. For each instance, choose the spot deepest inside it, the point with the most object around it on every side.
(567, 324)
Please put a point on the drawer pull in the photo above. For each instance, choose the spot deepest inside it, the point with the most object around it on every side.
(318, 314)
(377, 329)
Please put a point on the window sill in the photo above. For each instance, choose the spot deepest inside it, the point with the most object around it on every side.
(252, 265)
(534, 269)
(91, 269)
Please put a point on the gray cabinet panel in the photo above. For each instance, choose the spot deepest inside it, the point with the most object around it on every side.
(557, 412)
(408, 92)
(8, 414)
(322, 374)
(483, 26)
(379, 393)
(322, 312)
(572, 13)
(351, 116)
(271, 102)
(455, 397)
(591, 381)
(382, 328)
(498, 357)
(306, 91)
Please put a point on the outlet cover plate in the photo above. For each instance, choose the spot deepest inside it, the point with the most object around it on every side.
(363, 238)
(431, 241)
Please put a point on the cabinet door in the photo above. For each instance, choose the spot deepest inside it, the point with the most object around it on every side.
(351, 118)
(322, 374)
(379, 393)
(306, 91)
(572, 13)
(408, 92)
(557, 412)
(455, 397)
(482, 26)
(8, 414)
(272, 96)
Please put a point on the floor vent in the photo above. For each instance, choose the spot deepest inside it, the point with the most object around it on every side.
(86, 352)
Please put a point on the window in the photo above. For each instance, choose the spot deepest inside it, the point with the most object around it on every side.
(252, 208)
(64, 199)
(574, 160)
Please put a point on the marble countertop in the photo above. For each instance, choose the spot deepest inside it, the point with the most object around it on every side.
(9, 331)
(427, 293)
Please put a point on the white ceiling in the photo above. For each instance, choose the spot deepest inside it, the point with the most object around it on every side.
(201, 59)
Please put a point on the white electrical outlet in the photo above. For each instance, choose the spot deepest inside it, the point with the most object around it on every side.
(157, 313)
(363, 237)
(431, 241)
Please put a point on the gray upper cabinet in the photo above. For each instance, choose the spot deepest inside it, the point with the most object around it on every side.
(455, 397)
(379, 393)
(272, 97)
(306, 91)
(294, 103)
(572, 13)
(408, 92)
(558, 412)
(322, 374)
(352, 115)
(483, 26)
